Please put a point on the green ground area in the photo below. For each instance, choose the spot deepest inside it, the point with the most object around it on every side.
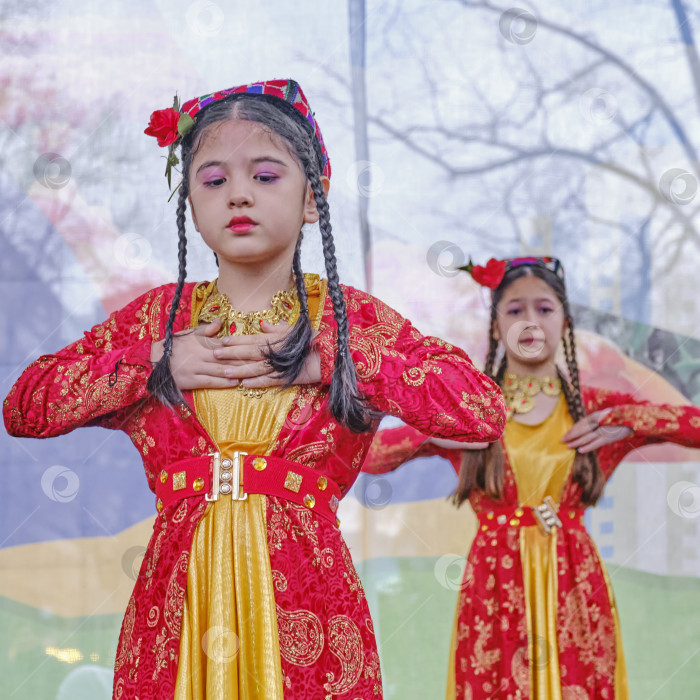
(413, 615)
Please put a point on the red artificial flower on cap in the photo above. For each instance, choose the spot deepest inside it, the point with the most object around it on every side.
(163, 125)
(489, 275)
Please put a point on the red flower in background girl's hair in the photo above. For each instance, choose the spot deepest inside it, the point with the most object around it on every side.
(163, 126)
(490, 275)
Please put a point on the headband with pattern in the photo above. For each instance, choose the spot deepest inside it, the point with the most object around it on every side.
(169, 126)
(491, 275)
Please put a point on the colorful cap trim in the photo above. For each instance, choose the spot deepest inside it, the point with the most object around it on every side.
(491, 275)
(169, 126)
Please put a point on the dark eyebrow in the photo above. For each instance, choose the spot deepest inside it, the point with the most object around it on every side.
(256, 161)
(208, 164)
(551, 301)
(269, 159)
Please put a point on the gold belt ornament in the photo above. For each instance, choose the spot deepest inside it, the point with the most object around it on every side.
(546, 514)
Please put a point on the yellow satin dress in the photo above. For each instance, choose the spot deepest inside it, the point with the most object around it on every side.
(541, 464)
(229, 647)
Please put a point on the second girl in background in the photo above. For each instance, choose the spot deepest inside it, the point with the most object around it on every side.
(536, 616)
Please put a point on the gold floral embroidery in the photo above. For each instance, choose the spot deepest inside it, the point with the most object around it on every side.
(344, 642)
(413, 376)
(279, 581)
(369, 342)
(646, 418)
(350, 574)
(487, 408)
(125, 652)
(153, 562)
(373, 670)
(482, 661)
(308, 454)
(300, 636)
(200, 448)
(574, 692)
(175, 596)
(142, 316)
(139, 436)
(520, 669)
(594, 644)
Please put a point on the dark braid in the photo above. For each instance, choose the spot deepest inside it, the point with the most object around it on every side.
(346, 404)
(493, 345)
(161, 383)
(577, 410)
(288, 359)
(586, 471)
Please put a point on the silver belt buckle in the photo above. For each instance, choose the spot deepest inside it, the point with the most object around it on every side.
(215, 472)
(226, 477)
(546, 514)
(238, 494)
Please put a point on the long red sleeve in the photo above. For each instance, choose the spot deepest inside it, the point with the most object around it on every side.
(428, 383)
(651, 423)
(392, 447)
(73, 387)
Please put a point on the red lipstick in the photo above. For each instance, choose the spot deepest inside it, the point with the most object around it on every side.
(241, 224)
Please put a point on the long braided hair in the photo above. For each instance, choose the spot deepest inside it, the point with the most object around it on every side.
(287, 359)
(485, 469)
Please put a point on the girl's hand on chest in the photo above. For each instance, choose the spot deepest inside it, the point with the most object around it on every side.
(245, 359)
(200, 360)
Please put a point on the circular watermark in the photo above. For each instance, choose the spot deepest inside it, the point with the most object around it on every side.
(132, 251)
(296, 419)
(541, 650)
(132, 560)
(365, 178)
(374, 491)
(453, 572)
(597, 106)
(678, 186)
(220, 644)
(205, 18)
(444, 257)
(683, 499)
(52, 171)
(60, 483)
(525, 339)
(518, 26)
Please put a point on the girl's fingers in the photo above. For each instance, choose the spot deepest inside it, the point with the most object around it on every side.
(282, 328)
(262, 381)
(261, 339)
(248, 370)
(597, 443)
(582, 440)
(207, 381)
(244, 353)
(210, 329)
(581, 427)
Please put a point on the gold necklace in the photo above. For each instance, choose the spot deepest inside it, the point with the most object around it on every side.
(519, 391)
(235, 322)
(218, 305)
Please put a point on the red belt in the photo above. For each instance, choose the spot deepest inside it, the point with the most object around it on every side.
(547, 516)
(215, 476)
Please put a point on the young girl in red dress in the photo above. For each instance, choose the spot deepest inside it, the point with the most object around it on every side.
(252, 400)
(536, 616)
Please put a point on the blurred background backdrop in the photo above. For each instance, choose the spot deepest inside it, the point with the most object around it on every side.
(456, 129)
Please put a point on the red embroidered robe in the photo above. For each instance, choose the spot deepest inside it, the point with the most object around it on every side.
(423, 380)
